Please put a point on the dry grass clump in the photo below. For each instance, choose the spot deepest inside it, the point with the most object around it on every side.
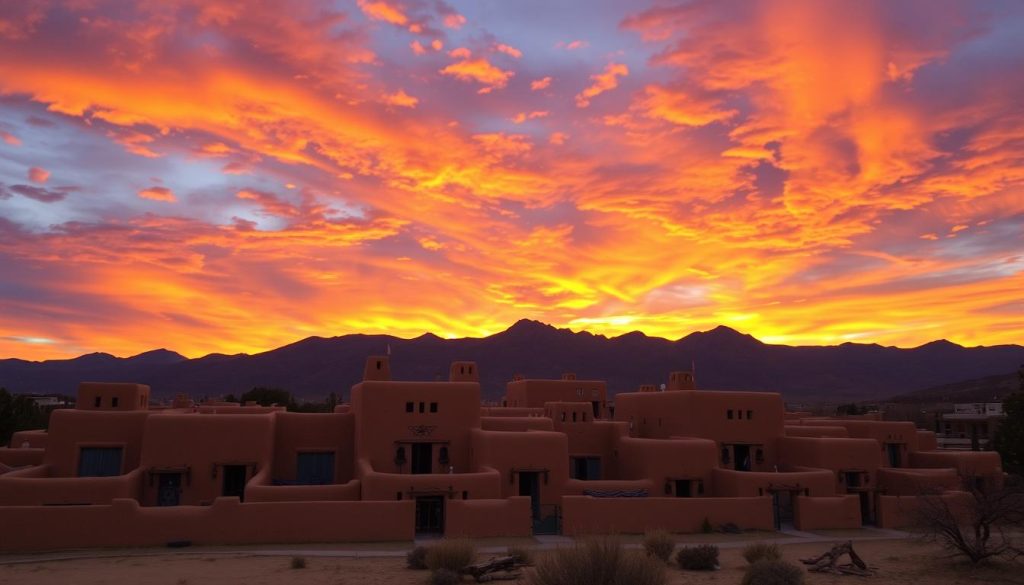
(417, 558)
(777, 572)
(451, 554)
(521, 554)
(761, 551)
(659, 544)
(703, 557)
(597, 561)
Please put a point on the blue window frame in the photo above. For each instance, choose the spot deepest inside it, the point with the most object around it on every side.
(99, 461)
(315, 468)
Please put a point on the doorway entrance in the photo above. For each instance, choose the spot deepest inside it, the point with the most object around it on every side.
(782, 507)
(234, 481)
(429, 514)
(168, 489)
(422, 457)
(741, 455)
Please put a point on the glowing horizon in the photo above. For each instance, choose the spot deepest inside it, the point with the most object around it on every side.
(223, 177)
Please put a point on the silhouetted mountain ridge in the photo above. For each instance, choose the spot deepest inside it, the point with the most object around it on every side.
(725, 359)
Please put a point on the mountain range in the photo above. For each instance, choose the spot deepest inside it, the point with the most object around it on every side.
(724, 359)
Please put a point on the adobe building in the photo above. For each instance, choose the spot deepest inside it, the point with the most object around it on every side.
(407, 458)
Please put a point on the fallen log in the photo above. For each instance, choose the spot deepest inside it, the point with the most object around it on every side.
(495, 569)
(828, 562)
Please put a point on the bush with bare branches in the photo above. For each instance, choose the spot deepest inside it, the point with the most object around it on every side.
(978, 524)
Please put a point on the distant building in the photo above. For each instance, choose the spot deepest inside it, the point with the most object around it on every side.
(407, 458)
(970, 426)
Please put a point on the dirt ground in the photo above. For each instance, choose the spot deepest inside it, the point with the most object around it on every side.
(899, 562)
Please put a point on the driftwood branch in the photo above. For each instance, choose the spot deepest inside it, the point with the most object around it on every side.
(496, 569)
(828, 562)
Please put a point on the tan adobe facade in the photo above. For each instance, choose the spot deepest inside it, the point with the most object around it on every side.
(417, 457)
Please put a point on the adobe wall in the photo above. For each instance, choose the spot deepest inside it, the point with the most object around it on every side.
(259, 489)
(376, 485)
(383, 424)
(35, 486)
(72, 429)
(296, 432)
(734, 484)
(516, 423)
(587, 515)
(35, 439)
(488, 518)
(226, 521)
(535, 393)
(667, 460)
(967, 463)
(816, 431)
(927, 440)
(21, 457)
(200, 445)
(117, 396)
(820, 513)
(510, 411)
(830, 453)
(539, 451)
(911, 482)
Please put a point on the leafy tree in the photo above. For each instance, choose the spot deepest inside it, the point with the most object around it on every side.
(19, 413)
(1009, 439)
(270, 396)
(850, 409)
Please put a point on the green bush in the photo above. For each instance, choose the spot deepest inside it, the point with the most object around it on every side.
(659, 544)
(769, 572)
(703, 557)
(298, 562)
(759, 551)
(417, 558)
(450, 554)
(600, 561)
(521, 554)
(443, 577)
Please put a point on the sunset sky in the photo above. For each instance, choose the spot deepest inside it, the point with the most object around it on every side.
(214, 176)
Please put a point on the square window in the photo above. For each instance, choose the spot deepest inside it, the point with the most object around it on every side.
(728, 414)
(408, 407)
(433, 407)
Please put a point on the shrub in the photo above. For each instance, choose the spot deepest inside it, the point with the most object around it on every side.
(298, 562)
(703, 557)
(417, 558)
(443, 577)
(659, 544)
(777, 572)
(521, 554)
(450, 554)
(761, 551)
(706, 526)
(597, 562)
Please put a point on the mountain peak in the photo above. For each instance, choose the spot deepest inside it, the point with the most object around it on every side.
(158, 356)
(722, 335)
(529, 326)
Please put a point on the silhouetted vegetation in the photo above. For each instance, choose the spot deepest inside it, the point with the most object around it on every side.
(984, 525)
(659, 544)
(597, 562)
(451, 554)
(269, 397)
(417, 558)
(850, 409)
(521, 554)
(703, 557)
(1009, 439)
(777, 572)
(19, 413)
(760, 551)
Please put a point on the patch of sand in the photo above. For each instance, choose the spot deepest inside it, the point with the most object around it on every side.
(899, 562)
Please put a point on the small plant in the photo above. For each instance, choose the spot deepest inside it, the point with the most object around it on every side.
(706, 526)
(703, 557)
(450, 554)
(777, 572)
(759, 551)
(298, 562)
(521, 554)
(443, 577)
(659, 544)
(417, 558)
(597, 561)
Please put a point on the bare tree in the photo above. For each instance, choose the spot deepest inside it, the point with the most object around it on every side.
(978, 524)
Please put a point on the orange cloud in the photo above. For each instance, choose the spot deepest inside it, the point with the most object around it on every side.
(383, 11)
(158, 194)
(455, 21)
(479, 70)
(38, 175)
(401, 99)
(510, 51)
(605, 81)
(539, 84)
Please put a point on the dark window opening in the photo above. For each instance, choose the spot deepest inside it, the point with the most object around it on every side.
(465, 495)
(398, 495)
(742, 455)
(573, 417)
(430, 514)
(750, 414)
(728, 414)
(114, 401)
(725, 455)
(594, 404)
(408, 407)
(683, 488)
(99, 461)
(585, 468)
(442, 457)
(168, 489)
(433, 407)
(97, 402)
(234, 481)
(315, 468)
(378, 364)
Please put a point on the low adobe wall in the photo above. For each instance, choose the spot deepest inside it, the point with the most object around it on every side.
(911, 482)
(488, 518)
(587, 515)
(34, 486)
(226, 521)
(814, 513)
(303, 493)
(516, 423)
(900, 511)
(36, 439)
(21, 457)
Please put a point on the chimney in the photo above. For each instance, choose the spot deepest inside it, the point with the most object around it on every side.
(378, 367)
